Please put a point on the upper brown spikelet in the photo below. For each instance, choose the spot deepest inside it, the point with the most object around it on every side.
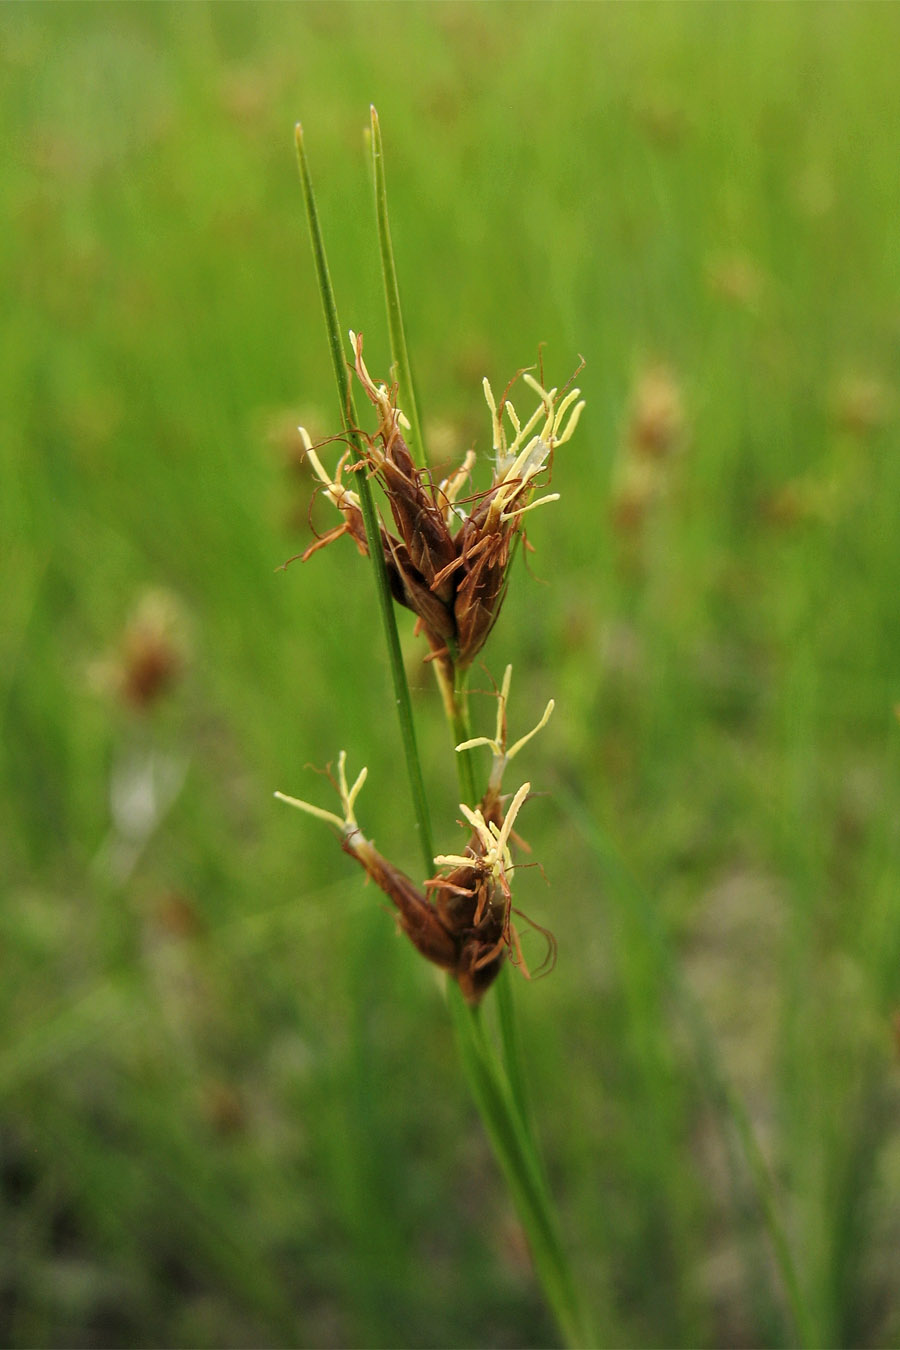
(461, 920)
(453, 582)
(481, 585)
(410, 492)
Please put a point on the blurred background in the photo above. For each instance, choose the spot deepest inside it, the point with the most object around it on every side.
(232, 1112)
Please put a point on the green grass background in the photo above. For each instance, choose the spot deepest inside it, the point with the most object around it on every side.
(231, 1109)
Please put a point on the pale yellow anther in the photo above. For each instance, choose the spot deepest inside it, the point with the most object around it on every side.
(509, 820)
(502, 702)
(376, 391)
(477, 822)
(449, 488)
(544, 409)
(523, 740)
(519, 461)
(563, 408)
(546, 395)
(361, 369)
(346, 823)
(476, 819)
(348, 799)
(318, 467)
(495, 419)
(495, 857)
(497, 745)
(379, 393)
(559, 436)
(319, 812)
(336, 492)
(532, 506)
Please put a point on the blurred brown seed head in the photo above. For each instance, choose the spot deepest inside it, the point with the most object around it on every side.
(638, 484)
(663, 120)
(153, 649)
(656, 425)
(736, 277)
(862, 404)
(179, 916)
(245, 95)
(151, 655)
(223, 1106)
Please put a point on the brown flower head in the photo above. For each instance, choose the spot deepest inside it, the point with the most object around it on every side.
(447, 565)
(152, 653)
(461, 920)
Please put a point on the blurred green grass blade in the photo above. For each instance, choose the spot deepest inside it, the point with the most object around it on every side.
(373, 532)
(399, 351)
(511, 1048)
(65, 1031)
(708, 1058)
(514, 1151)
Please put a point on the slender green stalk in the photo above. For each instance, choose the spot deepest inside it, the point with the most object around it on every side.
(514, 1151)
(462, 731)
(459, 718)
(370, 518)
(510, 1043)
(399, 351)
(511, 1053)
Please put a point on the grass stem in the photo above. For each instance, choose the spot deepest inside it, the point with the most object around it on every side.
(406, 390)
(373, 533)
(514, 1149)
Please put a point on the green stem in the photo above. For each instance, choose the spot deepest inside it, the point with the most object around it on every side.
(462, 731)
(370, 518)
(406, 393)
(510, 1043)
(511, 1052)
(514, 1150)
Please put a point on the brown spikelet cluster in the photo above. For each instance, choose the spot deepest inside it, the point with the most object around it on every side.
(447, 560)
(461, 919)
(150, 656)
(447, 564)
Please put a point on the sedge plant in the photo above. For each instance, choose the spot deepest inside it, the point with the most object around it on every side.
(444, 553)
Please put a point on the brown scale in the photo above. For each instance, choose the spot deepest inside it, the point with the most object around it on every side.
(464, 930)
(462, 921)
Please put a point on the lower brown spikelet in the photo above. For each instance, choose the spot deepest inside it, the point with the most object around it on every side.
(454, 582)
(461, 920)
